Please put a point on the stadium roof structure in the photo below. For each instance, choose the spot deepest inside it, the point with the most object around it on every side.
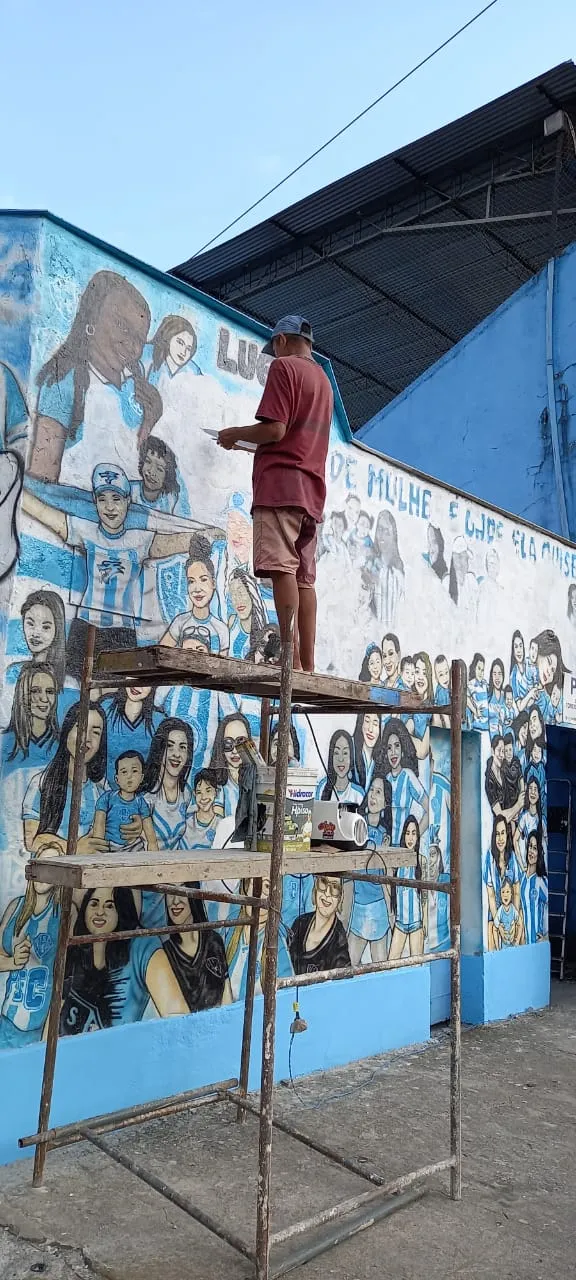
(396, 262)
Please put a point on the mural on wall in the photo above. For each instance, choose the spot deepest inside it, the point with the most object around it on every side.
(132, 519)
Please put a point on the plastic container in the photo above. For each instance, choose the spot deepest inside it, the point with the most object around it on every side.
(300, 792)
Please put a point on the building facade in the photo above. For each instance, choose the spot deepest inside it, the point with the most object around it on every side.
(496, 416)
(120, 510)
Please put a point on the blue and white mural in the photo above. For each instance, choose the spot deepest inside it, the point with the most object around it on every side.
(132, 519)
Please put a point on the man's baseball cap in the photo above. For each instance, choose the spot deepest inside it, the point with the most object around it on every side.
(108, 476)
(297, 325)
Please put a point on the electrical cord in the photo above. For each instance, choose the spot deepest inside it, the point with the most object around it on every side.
(347, 126)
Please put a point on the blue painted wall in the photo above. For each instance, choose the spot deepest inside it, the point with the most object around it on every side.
(146, 1060)
(475, 419)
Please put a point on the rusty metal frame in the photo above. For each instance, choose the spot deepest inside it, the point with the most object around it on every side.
(358, 1211)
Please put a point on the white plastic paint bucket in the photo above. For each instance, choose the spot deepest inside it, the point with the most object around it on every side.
(300, 792)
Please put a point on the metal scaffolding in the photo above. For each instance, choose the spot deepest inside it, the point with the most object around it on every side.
(274, 1253)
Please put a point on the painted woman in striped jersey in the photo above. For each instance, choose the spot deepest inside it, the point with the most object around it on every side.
(401, 767)
(165, 782)
(28, 937)
(411, 907)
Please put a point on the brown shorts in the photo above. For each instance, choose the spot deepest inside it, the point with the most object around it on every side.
(285, 541)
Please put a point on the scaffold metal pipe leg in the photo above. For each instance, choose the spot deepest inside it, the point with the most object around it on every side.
(270, 960)
(169, 1193)
(342, 1229)
(249, 1000)
(65, 911)
(458, 678)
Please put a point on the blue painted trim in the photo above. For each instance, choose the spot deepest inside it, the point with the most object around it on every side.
(472, 968)
(173, 282)
(439, 992)
(120, 1067)
(502, 984)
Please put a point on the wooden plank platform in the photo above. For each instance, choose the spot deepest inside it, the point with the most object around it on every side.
(167, 866)
(157, 664)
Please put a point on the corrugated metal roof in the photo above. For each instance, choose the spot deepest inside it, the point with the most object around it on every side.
(385, 306)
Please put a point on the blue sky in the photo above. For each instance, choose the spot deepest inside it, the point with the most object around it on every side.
(152, 125)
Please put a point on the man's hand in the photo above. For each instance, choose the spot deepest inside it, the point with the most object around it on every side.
(228, 438)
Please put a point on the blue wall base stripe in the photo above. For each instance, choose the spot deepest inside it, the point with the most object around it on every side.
(126, 1065)
(501, 984)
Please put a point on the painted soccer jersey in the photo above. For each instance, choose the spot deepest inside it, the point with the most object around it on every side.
(479, 692)
(238, 962)
(122, 736)
(39, 753)
(407, 790)
(527, 823)
(95, 998)
(506, 920)
(537, 771)
(113, 592)
(169, 818)
(331, 953)
(227, 799)
(521, 681)
(534, 899)
(408, 903)
(28, 990)
(440, 816)
(164, 502)
(441, 696)
(202, 977)
(104, 403)
(493, 879)
(119, 812)
(199, 835)
(238, 640)
(496, 709)
(90, 794)
(296, 897)
(369, 766)
(352, 794)
(216, 631)
(369, 917)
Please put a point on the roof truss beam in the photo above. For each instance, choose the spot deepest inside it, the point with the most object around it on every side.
(364, 231)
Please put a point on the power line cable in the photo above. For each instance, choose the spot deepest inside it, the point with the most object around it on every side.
(345, 127)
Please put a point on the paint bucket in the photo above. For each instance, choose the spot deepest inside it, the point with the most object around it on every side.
(300, 792)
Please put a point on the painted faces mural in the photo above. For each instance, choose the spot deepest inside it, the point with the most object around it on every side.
(134, 521)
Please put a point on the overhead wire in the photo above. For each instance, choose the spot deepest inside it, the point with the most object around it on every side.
(397, 83)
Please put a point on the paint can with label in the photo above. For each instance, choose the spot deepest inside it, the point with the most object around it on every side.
(300, 792)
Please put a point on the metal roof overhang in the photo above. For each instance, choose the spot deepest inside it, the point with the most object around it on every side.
(396, 262)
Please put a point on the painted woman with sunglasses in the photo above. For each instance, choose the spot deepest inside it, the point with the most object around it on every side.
(226, 760)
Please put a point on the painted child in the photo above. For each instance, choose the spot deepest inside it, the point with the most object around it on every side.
(114, 809)
(507, 921)
(201, 825)
(407, 673)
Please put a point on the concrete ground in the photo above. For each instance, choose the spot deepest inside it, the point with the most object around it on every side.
(516, 1221)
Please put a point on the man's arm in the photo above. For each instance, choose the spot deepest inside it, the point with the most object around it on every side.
(165, 545)
(50, 517)
(260, 433)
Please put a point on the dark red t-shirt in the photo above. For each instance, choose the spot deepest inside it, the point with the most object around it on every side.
(291, 472)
